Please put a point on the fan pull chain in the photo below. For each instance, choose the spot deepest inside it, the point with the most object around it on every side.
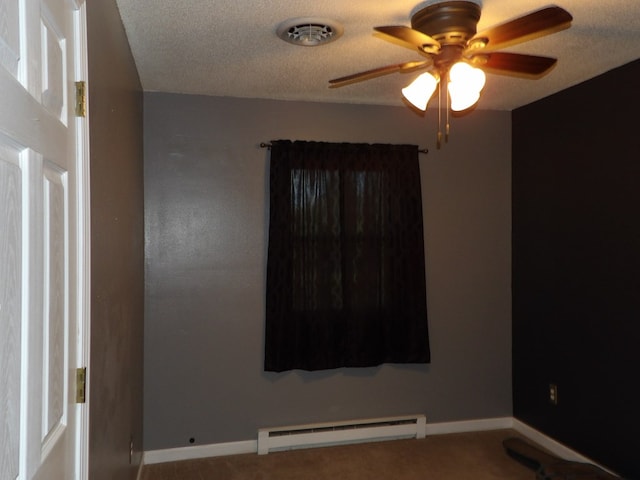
(446, 131)
(439, 137)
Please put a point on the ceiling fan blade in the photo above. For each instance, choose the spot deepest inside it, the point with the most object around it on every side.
(417, 39)
(533, 25)
(377, 72)
(503, 63)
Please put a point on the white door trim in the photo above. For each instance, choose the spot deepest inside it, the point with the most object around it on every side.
(83, 242)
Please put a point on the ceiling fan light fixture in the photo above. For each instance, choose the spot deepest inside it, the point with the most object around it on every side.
(465, 84)
(419, 92)
(462, 99)
(309, 31)
(464, 74)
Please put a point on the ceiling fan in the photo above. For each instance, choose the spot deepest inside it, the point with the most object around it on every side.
(445, 34)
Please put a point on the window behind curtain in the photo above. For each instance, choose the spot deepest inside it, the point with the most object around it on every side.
(345, 268)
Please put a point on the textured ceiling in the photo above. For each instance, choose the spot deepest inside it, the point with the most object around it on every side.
(230, 48)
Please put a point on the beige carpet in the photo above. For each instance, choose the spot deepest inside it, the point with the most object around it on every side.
(472, 456)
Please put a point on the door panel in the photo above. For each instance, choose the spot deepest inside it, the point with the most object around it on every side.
(55, 374)
(10, 307)
(39, 259)
(54, 61)
(9, 36)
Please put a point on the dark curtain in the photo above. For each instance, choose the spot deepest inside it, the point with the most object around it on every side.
(345, 269)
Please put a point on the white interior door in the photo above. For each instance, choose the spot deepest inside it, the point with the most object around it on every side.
(41, 239)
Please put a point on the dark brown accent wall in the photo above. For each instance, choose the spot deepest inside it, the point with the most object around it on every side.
(576, 267)
(117, 247)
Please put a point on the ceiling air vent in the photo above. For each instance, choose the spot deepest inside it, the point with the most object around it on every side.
(309, 31)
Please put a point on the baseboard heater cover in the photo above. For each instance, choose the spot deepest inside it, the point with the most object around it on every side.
(336, 433)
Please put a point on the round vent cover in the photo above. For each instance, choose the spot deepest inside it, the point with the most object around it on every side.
(309, 31)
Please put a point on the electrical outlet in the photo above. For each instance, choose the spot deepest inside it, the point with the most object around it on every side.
(553, 394)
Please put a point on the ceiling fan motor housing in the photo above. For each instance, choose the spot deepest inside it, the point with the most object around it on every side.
(450, 23)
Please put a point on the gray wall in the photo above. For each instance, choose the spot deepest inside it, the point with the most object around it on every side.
(117, 247)
(205, 222)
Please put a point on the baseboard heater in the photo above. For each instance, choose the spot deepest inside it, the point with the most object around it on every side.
(337, 433)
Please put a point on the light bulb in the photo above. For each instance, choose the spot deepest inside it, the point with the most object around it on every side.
(471, 77)
(462, 98)
(465, 84)
(420, 90)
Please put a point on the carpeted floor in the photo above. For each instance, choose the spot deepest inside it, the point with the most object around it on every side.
(472, 456)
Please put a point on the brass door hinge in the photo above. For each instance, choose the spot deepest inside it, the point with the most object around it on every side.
(81, 99)
(81, 384)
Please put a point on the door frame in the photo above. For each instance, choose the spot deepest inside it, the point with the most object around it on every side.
(83, 202)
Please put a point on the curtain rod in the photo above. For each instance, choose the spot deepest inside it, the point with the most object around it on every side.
(268, 146)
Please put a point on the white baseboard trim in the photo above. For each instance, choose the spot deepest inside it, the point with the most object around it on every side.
(549, 443)
(251, 446)
(200, 451)
(469, 426)
(555, 447)
(139, 476)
